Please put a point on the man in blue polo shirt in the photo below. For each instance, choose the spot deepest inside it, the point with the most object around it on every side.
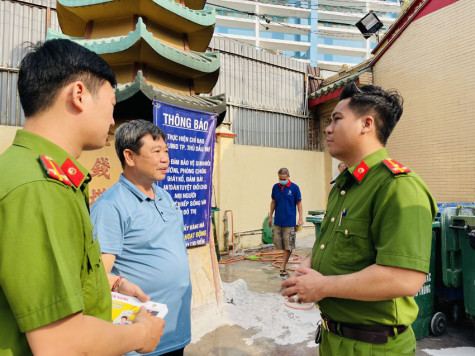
(140, 230)
(285, 197)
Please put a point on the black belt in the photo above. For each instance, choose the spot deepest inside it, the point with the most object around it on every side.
(364, 333)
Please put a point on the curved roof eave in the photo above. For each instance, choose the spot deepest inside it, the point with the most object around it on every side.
(200, 63)
(73, 16)
(214, 104)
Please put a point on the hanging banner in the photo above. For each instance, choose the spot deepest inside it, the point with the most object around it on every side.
(190, 140)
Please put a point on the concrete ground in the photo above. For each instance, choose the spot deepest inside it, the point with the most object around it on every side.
(254, 319)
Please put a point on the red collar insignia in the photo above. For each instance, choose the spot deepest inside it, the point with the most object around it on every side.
(73, 172)
(360, 171)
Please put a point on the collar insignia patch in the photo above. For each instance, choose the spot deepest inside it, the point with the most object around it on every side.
(73, 172)
(361, 171)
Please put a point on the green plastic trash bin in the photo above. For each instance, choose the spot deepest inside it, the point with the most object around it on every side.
(267, 235)
(460, 246)
(316, 217)
(426, 320)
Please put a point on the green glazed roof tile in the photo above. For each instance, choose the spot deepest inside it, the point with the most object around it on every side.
(195, 63)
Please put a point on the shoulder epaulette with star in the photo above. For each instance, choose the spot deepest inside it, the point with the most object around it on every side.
(67, 174)
(53, 170)
(395, 167)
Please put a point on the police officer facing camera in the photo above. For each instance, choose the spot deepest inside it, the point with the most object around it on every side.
(373, 252)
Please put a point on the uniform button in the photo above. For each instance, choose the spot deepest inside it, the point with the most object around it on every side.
(346, 232)
(322, 246)
(332, 219)
(342, 192)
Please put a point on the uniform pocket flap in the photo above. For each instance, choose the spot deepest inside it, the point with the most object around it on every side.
(354, 227)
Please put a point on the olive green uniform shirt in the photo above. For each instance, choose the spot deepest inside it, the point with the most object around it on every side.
(50, 267)
(386, 219)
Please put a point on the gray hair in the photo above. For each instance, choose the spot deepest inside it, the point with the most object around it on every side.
(129, 136)
(284, 171)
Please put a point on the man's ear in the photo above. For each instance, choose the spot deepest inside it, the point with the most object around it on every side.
(367, 124)
(129, 156)
(78, 93)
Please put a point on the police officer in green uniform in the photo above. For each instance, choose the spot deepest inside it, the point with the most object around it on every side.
(373, 252)
(54, 294)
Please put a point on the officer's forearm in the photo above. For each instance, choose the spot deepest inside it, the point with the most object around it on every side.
(81, 334)
(374, 283)
(307, 262)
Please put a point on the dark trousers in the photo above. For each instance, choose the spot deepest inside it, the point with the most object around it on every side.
(178, 352)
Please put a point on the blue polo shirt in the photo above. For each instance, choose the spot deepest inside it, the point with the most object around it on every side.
(146, 235)
(286, 198)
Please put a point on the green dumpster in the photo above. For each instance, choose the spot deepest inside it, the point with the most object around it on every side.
(426, 319)
(459, 253)
(316, 217)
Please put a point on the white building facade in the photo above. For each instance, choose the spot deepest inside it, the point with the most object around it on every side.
(319, 32)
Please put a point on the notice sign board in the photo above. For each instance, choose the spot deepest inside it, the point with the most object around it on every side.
(190, 139)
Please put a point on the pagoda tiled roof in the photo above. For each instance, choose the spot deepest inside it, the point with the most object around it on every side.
(140, 46)
(198, 25)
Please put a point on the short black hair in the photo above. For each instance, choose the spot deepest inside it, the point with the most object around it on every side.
(51, 65)
(129, 136)
(385, 106)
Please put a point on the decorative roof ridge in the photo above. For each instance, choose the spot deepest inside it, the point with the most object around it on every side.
(337, 84)
(347, 72)
(204, 62)
(204, 17)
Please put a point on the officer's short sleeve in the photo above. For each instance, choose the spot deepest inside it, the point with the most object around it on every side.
(41, 253)
(108, 226)
(402, 226)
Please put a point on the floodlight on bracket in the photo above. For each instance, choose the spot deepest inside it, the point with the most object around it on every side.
(369, 24)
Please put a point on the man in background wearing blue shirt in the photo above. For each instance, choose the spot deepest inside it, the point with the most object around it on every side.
(285, 197)
(140, 230)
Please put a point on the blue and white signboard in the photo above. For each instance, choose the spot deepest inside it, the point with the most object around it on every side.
(190, 140)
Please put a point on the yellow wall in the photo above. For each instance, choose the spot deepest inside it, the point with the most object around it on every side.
(243, 178)
(7, 134)
(431, 65)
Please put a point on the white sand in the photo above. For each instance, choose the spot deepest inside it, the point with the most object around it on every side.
(265, 313)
